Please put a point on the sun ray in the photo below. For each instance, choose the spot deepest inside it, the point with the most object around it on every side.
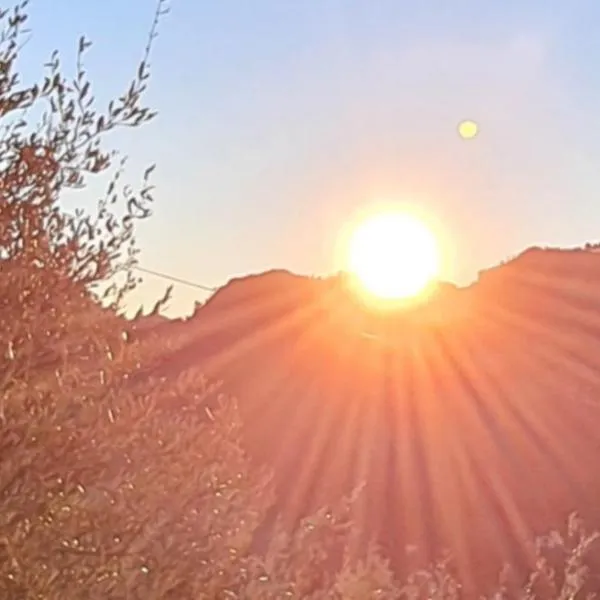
(478, 410)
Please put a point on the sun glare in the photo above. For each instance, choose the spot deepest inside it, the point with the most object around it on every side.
(394, 255)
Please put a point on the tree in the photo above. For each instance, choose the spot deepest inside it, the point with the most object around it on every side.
(81, 512)
(111, 486)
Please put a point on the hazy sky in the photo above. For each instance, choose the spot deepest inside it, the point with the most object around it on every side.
(279, 119)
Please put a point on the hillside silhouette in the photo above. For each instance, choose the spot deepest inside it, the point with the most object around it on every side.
(471, 417)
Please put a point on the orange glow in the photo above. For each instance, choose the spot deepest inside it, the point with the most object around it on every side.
(393, 255)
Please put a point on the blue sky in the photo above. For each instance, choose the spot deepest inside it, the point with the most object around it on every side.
(278, 120)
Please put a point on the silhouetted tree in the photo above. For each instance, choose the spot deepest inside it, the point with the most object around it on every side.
(109, 487)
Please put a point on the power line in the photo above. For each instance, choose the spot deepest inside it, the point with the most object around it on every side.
(206, 288)
(177, 280)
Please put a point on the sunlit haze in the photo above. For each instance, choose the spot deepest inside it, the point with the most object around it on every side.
(381, 223)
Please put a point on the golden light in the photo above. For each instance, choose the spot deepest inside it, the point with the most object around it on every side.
(468, 129)
(393, 254)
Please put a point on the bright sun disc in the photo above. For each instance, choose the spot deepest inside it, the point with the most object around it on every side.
(393, 255)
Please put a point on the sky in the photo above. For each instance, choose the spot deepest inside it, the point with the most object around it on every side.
(279, 120)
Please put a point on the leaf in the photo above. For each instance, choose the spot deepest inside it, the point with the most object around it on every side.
(149, 171)
(84, 90)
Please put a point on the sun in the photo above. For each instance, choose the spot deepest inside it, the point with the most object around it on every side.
(394, 255)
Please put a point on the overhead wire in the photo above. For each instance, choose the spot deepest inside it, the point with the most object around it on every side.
(176, 279)
(168, 277)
